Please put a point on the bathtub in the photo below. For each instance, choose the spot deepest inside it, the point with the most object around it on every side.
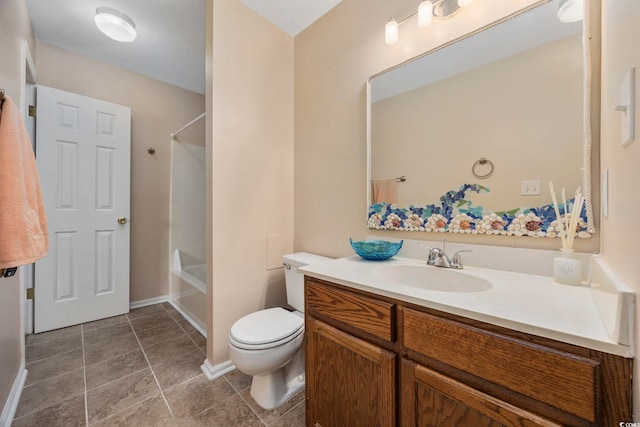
(195, 275)
(189, 289)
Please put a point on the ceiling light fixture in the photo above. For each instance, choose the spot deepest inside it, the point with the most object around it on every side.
(426, 11)
(571, 11)
(115, 24)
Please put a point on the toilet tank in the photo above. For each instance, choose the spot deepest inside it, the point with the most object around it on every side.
(295, 279)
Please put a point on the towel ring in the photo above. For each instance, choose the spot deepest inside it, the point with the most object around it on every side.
(482, 162)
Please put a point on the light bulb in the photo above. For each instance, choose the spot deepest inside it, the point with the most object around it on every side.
(464, 3)
(425, 14)
(391, 32)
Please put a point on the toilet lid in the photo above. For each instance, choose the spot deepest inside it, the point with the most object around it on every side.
(266, 326)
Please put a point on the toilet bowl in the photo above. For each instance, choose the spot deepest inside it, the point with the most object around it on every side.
(267, 358)
(267, 344)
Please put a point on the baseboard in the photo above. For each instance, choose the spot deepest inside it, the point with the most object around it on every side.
(212, 372)
(148, 301)
(188, 318)
(10, 406)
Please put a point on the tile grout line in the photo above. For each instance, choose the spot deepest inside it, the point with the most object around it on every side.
(84, 378)
(151, 368)
(54, 376)
(183, 330)
(38, 334)
(50, 356)
(118, 379)
(249, 406)
(125, 409)
(289, 411)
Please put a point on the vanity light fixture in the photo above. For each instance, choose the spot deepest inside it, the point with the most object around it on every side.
(425, 14)
(115, 24)
(426, 11)
(571, 11)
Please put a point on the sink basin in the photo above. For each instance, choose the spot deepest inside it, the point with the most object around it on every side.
(432, 278)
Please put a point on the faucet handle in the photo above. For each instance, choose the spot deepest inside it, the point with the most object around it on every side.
(456, 260)
(432, 254)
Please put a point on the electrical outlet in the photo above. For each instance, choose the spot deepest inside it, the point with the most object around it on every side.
(530, 188)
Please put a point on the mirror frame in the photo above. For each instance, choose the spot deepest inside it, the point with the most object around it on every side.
(525, 217)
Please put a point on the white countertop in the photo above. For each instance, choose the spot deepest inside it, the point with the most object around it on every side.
(524, 302)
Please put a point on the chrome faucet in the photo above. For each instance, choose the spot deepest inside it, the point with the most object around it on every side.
(438, 258)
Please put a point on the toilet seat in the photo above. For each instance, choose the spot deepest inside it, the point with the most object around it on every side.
(266, 329)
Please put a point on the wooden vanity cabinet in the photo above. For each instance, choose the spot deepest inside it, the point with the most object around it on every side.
(376, 361)
(432, 399)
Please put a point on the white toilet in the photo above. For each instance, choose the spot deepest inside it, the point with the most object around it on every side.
(267, 344)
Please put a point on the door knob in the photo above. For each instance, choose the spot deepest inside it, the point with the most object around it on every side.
(122, 220)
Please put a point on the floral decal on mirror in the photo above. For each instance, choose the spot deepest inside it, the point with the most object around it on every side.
(457, 214)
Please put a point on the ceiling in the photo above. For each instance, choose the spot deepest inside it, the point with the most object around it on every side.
(171, 34)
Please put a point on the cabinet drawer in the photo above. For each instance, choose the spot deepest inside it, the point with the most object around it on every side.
(366, 314)
(557, 378)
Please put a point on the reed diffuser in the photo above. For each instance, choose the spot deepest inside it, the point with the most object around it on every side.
(567, 269)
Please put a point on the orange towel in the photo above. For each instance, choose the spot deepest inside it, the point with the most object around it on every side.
(384, 190)
(23, 224)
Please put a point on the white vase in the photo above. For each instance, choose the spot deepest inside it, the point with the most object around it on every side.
(566, 269)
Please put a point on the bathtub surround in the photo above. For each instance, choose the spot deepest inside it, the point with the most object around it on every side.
(187, 281)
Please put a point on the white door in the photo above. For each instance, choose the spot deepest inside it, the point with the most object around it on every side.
(83, 155)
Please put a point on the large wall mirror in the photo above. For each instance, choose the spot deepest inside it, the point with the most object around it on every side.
(458, 134)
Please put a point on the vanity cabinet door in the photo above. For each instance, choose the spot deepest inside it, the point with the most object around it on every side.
(349, 382)
(430, 399)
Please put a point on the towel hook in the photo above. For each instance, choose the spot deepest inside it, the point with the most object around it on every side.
(482, 162)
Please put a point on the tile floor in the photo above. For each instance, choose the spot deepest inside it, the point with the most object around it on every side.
(139, 369)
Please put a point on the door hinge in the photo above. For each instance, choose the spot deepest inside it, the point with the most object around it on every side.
(30, 293)
(32, 110)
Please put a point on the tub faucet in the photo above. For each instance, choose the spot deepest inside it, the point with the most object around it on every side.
(438, 258)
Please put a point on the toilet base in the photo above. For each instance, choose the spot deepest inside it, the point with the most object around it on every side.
(275, 388)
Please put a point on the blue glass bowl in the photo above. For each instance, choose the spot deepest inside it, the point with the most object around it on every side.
(376, 250)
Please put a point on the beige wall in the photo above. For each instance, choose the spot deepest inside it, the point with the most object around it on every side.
(333, 60)
(620, 236)
(434, 134)
(15, 26)
(250, 154)
(157, 109)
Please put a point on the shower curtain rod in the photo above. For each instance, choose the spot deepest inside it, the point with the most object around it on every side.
(179, 131)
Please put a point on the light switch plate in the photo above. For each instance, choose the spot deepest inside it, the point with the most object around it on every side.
(627, 109)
